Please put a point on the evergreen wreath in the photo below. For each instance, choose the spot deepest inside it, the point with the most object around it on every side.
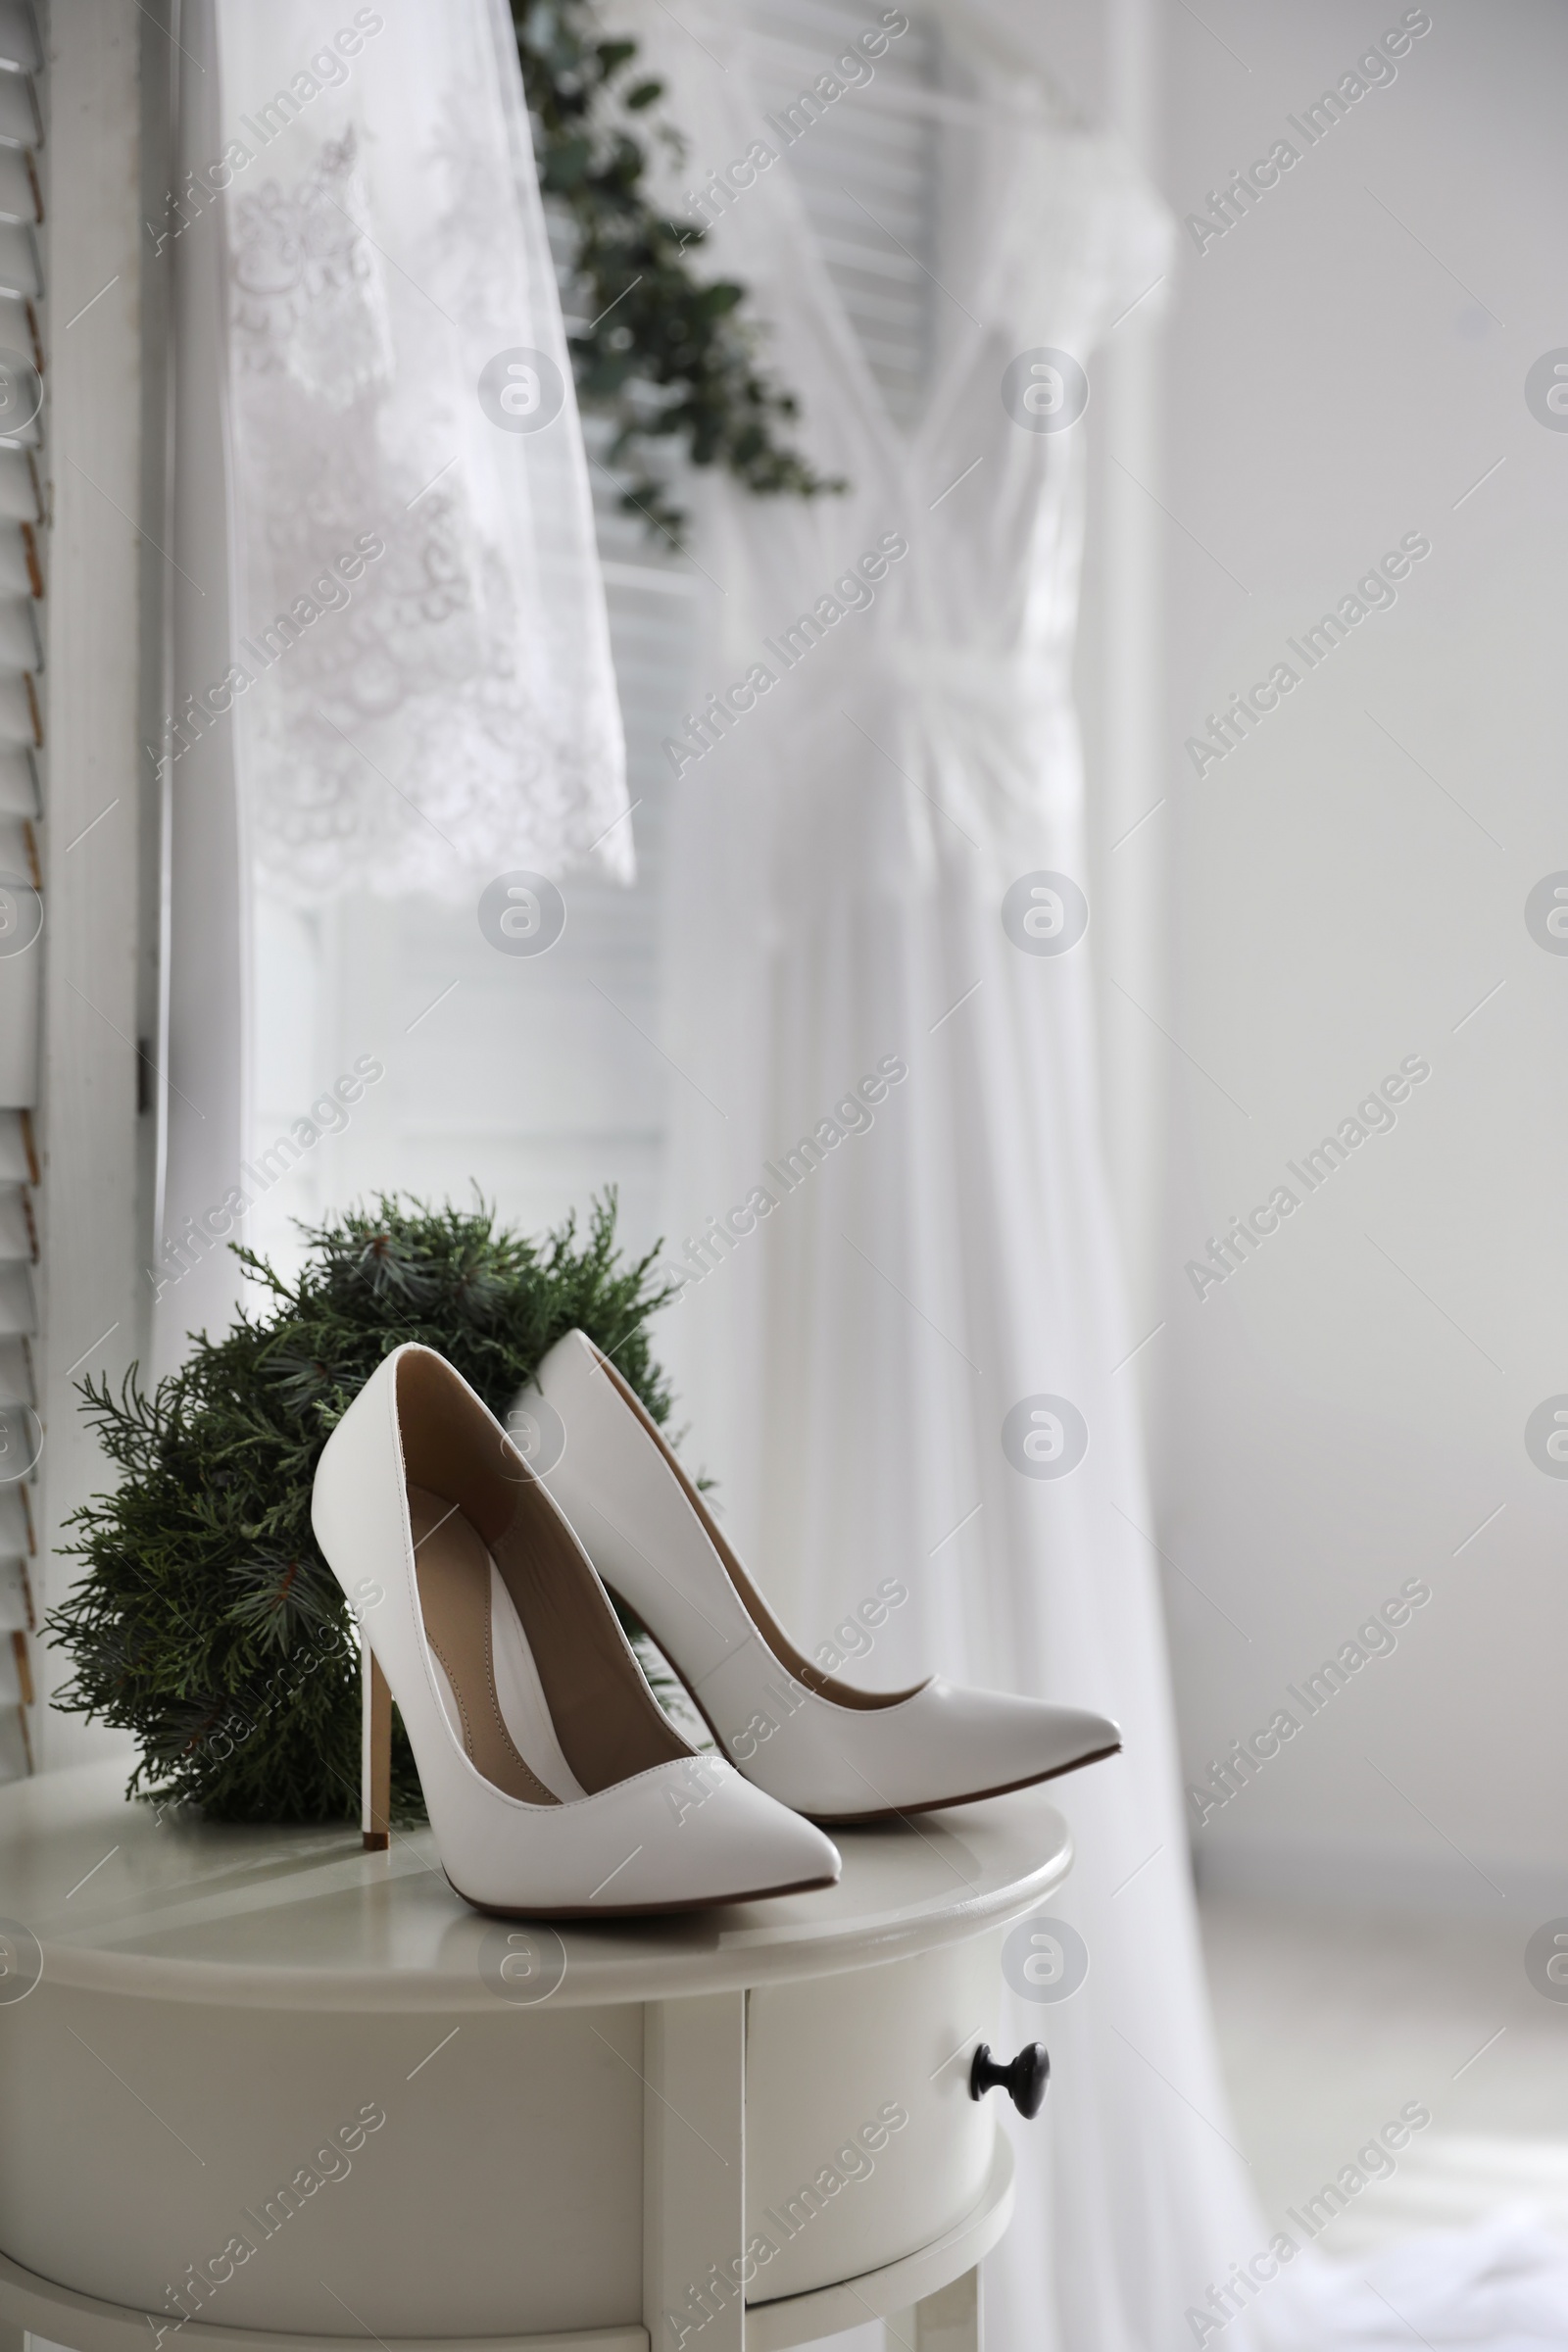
(207, 1622)
(667, 355)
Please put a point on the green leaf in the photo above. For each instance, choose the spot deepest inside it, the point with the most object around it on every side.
(687, 378)
(566, 165)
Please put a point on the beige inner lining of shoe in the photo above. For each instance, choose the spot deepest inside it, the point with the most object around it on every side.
(453, 1568)
(823, 1685)
(473, 1500)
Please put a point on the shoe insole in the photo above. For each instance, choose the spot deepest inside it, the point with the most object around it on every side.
(486, 1671)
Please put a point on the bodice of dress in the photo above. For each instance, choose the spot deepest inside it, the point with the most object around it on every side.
(931, 710)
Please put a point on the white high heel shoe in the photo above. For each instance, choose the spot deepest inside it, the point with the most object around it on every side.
(822, 1746)
(555, 1781)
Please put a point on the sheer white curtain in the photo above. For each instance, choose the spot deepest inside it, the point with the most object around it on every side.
(202, 1065)
(390, 658)
(841, 862)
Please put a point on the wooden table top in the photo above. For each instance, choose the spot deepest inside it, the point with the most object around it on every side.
(124, 1899)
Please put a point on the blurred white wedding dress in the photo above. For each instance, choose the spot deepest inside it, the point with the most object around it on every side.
(839, 862)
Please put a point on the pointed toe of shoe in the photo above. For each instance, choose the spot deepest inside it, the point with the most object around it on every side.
(1080, 1734)
(688, 1835)
(758, 1847)
(997, 1742)
(704, 1835)
(808, 1855)
(951, 1745)
(1002, 1742)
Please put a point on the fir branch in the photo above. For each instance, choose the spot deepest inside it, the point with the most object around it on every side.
(207, 1622)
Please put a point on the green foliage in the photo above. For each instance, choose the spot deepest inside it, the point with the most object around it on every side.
(207, 1621)
(667, 355)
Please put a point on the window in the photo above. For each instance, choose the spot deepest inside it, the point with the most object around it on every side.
(542, 1081)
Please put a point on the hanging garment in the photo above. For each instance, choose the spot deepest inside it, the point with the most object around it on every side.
(389, 660)
(903, 1357)
(418, 605)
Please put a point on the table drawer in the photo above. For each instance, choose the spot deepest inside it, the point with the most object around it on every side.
(147, 2141)
(861, 2140)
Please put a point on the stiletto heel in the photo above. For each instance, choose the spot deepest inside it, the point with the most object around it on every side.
(555, 1783)
(375, 1755)
(826, 1747)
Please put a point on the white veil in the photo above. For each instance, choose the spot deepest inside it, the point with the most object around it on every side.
(399, 380)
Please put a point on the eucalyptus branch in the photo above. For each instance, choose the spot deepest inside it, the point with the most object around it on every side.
(667, 355)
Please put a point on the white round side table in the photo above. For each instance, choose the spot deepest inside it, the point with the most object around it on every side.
(262, 2092)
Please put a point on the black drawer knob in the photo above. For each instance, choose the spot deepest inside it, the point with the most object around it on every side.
(1024, 2080)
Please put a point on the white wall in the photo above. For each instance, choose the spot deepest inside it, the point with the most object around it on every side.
(1339, 1416)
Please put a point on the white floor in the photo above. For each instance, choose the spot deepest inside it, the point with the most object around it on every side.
(1330, 2023)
